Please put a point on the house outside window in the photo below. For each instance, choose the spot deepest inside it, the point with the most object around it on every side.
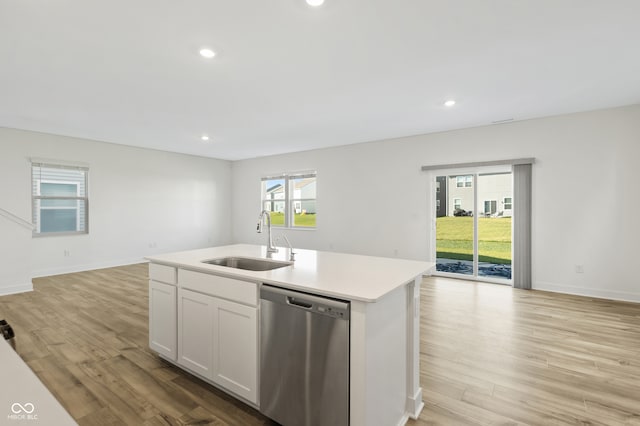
(59, 199)
(290, 199)
(437, 205)
(457, 203)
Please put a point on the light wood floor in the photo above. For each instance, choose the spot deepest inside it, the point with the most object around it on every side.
(489, 355)
(86, 337)
(494, 355)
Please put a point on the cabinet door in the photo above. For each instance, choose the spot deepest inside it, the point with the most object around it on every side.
(195, 332)
(162, 319)
(235, 360)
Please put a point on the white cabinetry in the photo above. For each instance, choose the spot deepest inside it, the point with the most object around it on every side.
(195, 332)
(217, 330)
(235, 337)
(162, 311)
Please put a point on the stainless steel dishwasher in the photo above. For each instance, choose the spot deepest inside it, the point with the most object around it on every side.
(304, 358)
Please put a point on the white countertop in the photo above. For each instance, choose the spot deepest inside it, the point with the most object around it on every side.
(340, 275)
(24, 399)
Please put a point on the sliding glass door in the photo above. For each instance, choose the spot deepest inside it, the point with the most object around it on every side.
(455, 224)
(473, 232)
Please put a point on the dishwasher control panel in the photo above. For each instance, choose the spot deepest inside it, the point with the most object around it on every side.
(328, 310)
(312, 303)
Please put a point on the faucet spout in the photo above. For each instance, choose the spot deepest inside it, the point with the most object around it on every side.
(265, 214)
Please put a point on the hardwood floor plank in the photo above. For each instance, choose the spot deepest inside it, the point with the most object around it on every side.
(72, 393)
(130, 407)
(200, 416)
(490, 355)
(165, 398)
(551, 358)
(103, 417)
(435, 415)
(221, 405)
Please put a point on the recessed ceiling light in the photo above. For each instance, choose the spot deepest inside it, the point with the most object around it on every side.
(204, 138)
(315, 3)
(207, 53)
(449, 103)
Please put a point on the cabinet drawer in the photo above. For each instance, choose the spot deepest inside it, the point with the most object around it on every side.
(226, 288)
(162, 273)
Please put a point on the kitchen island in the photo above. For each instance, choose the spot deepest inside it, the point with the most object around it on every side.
(186, 293)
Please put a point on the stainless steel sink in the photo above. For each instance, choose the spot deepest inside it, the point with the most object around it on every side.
(248, 263)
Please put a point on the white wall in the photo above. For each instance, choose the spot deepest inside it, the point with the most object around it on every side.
(15, 257)
(373, 198)
(137, 197)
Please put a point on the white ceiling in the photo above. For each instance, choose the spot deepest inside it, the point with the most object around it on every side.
(288, 77)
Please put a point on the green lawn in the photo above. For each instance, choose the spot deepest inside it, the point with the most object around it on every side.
(454, 239)
(309, 220)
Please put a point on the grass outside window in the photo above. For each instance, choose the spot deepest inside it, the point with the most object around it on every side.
(454, 239)
(301, 219)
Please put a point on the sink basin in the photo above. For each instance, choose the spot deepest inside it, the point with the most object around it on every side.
(247, 263)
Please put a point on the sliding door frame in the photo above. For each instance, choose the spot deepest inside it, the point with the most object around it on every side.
(475, 172)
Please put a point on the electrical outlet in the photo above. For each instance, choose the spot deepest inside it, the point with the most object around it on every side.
(395, 252)
(579, 269)
(67, 253)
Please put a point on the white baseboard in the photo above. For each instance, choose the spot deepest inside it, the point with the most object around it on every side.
(588, 292)
(403, 421)
(81, 268)
(22, 288)
(415, 405)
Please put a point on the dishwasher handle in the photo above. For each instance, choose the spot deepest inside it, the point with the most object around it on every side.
(293, 301)
(310, 303)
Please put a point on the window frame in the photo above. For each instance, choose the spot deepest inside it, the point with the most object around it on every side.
(37, 196)
(289, 199)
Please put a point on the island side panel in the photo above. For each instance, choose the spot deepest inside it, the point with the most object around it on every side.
(414, 391)
(358, 364)
(379, 360)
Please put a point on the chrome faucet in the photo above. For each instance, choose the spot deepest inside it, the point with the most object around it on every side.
(270, 248)
(292, 254)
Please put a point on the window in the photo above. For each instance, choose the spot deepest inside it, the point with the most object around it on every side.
(457, 203)
(437, 205)
(438, 187)
(59, 199)
(507, 203)
(464, 181)
(290, 199)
